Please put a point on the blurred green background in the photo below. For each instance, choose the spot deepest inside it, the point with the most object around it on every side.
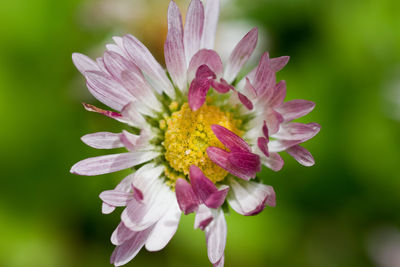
(344, 211)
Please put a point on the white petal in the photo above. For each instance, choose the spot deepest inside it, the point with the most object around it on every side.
(193, 29)
(84, 63)
(102, 140)
(216, 237)
(211, 14)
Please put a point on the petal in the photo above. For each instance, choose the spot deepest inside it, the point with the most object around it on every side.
(279, 94)
(128, 250)
(174, 49)
(262, 144)
(203, 217)
(216, 237)
(246, 161)
(202, 186)
(229, 139)
(240, 54)
(221, 158)
(264, 79)
(274, 161)
(84, 63)
(302, 155)
(102, 140)
(222, 87)
(216, 199)
(211, 13)
(220, 262)
(117, 64)
(245, 101)
(278, 63)
(273, 120)
(295, 109)
(135, 142)
(193, 29)
(131, 115)
(111, 163)
(187, 199)
(250, 198)
(142, 58)
(116, 198)
(121, 234)
(298, 131)
(111, 114)
(205, 57)
(199, 87)
(106, 90)
(164, 229)
(107, 209)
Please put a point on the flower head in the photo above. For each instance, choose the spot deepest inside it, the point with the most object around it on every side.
(197, 136)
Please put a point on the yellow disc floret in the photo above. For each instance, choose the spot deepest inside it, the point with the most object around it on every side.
(189, 134)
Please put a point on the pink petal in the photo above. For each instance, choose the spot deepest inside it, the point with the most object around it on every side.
(121, 234)
(246, 161)
(131, 115)
(295, 109)
(278, 63)
(216, 199)
(298, 131)
(262, 144)
(164, 229)
(240, 54)
(110, 114)
(278, 95)
(274, 161)
(264, 79)
(187, 199)
(107, 209)
(142, 58)
(220, 262)
(249, 89)
(265, 130)
(250, 198)
(201, 185)
(102, 140)
(229, 139)
(273, 120)
(220, 157)
(205, 57)
(193, 29)
(199, 87)
(106, 90)
(129, 249)
(245, 101)
(111, 163)
(302, 155)
(211, 13)
(222, 87)
(203, 217)
(117, 64)
(174, 49)
(84, 63)
(116, 198)
(216, 237)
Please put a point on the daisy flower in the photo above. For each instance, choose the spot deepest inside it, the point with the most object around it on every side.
(197, 134)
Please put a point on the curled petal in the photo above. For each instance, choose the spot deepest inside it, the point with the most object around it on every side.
(222, 87)
(246, 161)
(121, 234)
(274, 161)
(245, 101)
(295, 109)
(216, 199)
(229, 139)
(205, 57)
(216, 237)
(199, 87)
(302, 155)
(187, 199)
(102, 140)
(116, 198)
(203, 217)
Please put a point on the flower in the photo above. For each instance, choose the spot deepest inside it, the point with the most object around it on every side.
(198, 136)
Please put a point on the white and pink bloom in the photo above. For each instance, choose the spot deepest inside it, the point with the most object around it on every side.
(197, 136)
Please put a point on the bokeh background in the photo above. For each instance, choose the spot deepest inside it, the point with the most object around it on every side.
(344, 211)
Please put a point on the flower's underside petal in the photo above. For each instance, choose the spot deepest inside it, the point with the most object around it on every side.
(216, 199)
(240, 54)
(164, 229)
(302, 155)
(274, 161)
(205, 57)
(202, 186)
(121, 234)
(116, 198)
(273, 120)
(297, 131)
(216, 237)
(222, 86)
(84, 63)
(174, 50)
(102, 140)
(124, 186)
(187, 199)
(130, 248)
(142, 58)
(211, 13)
(193, 29)
(203, 217)
(279, 63)
(107, 209)
(229, 139)
(106, 90)
(112, 163)
(250, 198)
(295, 109)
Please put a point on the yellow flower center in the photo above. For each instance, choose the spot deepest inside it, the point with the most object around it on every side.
(189, 134)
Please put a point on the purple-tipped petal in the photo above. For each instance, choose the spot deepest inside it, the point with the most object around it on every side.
(230, 139)
(250, 198)
(111, 163)
(249, 89)
(110, 114)
(222, 86)
(121, 234)
(164, 229)
(302, 155)
(202, 186)
(216, 199)
(298, 131)
(295, 109)
(274, 161)
(265, 130)
(279, 94)
(262, 144)
(240, 54)
(264, 78)
(199, 87)
(220, 157)
(193, 29)
(174, 50)
(102, 140)
(115, 198)
(273, 120)
(187, 199)
(246, 161)
(279, 63)
(131, 115)
(84, 63)
(216, 237)
(245, 101)
(203, 217)
(211, 13)
(205, 57)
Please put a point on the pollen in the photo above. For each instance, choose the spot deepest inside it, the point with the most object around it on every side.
(189, 134)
